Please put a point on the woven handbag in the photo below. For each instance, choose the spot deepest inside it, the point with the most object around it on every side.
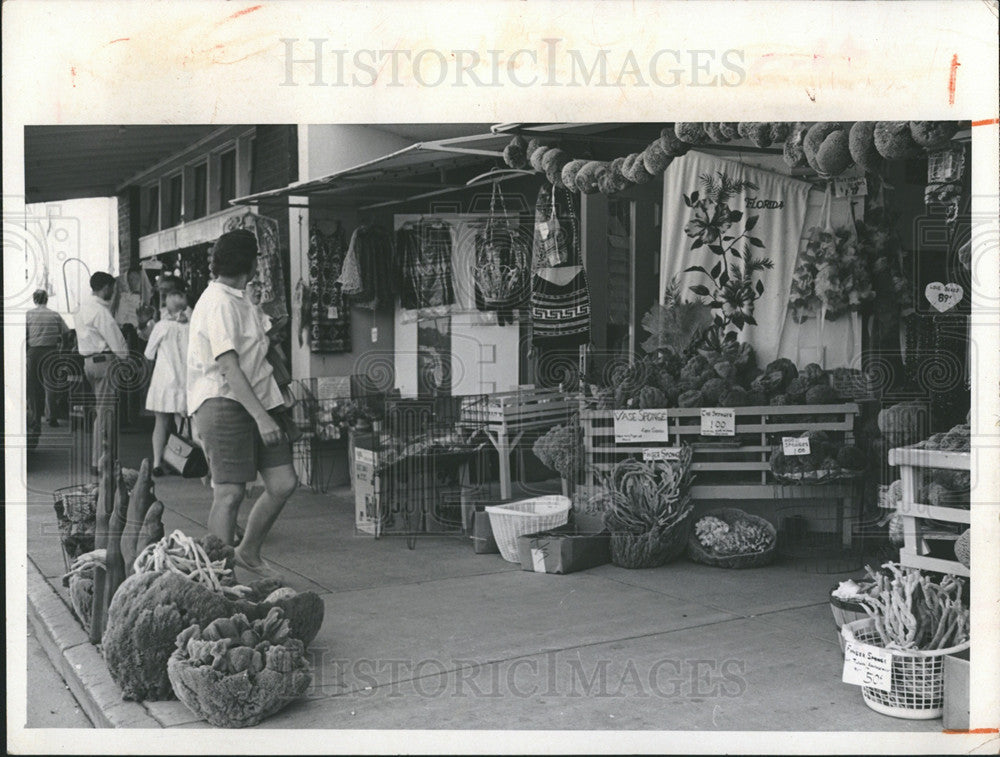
(502, 272)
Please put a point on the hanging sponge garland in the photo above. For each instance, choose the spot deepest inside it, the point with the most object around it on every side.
(793, 150)
(515, 154)
(894, 141)
(933, 134)
(693, 133)
(862, 146)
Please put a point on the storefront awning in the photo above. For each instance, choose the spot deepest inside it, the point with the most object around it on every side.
(421, 170)
(70, 162)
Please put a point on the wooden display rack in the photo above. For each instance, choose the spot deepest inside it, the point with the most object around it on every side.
(735, 468)
(911, 461)
(507, 416)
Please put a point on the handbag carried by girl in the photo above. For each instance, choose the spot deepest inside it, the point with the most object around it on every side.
(184, 455)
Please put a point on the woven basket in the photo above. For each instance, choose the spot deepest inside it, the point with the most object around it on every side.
(76, 512)
(917, 689)
(514, 519)
(845, 612)
(699, 553)
(651, 549)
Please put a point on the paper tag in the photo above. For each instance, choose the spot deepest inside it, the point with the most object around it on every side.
(718, 421)
(795, 445)
(943, 296)
(865, 665)
(332, 313)
(538, 560)
(850, 187)
(374, 334)
(661, 453)
(637, 426)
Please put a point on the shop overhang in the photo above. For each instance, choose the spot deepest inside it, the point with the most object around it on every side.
(424, 169)
(70, 162)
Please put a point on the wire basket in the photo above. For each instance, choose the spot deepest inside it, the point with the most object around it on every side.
(917, 688)
(527, 516)
(76, 512)
(729, 515)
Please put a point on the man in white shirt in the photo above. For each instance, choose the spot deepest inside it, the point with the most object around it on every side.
(100, 341)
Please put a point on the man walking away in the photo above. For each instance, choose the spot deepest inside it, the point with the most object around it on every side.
(100, 341)
(45, 332)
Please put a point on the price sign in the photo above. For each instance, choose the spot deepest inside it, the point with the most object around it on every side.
(850, 187)
(661, 453)
(943, 296)
(641, 426)
(794, 445)
(718, 421)
(865, 665)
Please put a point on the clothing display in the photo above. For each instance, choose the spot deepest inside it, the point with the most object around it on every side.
(168, 344)
(424, 254)
(130, 297)
(560, 308)
(268, 285)
(368, 279)
(557, 234)
(330, 315)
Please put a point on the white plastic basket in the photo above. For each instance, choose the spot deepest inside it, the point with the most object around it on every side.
(917, 676)
(524, 517)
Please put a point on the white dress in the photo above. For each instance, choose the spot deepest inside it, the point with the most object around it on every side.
(168, 344)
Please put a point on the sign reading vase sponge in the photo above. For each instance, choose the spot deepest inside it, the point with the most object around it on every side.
(943, 297)
(718, 421)
(866, 665)
(641, 426)
(563, 550)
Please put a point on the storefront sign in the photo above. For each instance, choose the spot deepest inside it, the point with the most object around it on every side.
(638, 426)
(661, 453)
(865, 665)
(718, 421)
(795, 445)
(850, 187)
(943, 296)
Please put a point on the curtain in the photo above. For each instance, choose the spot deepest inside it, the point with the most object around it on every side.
(779, 203)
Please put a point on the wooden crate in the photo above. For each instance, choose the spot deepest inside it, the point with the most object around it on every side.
(912, 462)
(728, 467)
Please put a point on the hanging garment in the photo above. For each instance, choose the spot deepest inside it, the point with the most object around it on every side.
(560, 308)
(424, 254)
(368, 278)
(330, 321)
(556, 240)
(268, 285)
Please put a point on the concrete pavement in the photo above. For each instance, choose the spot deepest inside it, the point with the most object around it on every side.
(442, 638)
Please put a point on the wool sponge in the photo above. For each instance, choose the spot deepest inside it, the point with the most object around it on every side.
(893, 140)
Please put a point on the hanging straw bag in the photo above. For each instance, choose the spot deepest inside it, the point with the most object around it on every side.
(501, 272)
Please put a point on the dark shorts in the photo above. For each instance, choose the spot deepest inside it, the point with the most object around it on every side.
(232, 442)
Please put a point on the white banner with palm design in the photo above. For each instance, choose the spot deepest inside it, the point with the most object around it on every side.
(708, 241)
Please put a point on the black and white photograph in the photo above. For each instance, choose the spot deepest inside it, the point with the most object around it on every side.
(507, 426)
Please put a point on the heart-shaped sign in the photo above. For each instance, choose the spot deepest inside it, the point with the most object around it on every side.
(943, 296)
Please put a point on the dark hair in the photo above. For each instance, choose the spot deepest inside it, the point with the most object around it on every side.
(173, 283)
(100, 280)
(40, 296)
(234, 253)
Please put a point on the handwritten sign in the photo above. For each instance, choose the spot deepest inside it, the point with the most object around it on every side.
(795, 445)
(641, 426)
(943, 296)
(850, 187)
(718, 421)
(865, 665)
(661, 453)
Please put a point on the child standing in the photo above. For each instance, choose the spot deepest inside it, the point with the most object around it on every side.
(167, 396)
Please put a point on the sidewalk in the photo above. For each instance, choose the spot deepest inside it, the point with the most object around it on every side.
(439, 637)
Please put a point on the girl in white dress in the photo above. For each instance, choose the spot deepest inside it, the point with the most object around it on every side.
(167, 396)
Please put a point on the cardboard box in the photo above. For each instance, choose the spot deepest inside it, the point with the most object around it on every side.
(956, 692)
(483, 542)
(563, 550)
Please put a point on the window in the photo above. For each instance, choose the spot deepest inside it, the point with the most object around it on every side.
(175, 200)
(200, 208)
(227, 178)
(150, 211)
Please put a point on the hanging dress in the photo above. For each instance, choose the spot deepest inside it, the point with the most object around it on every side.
(424, 253)
(330, 322)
